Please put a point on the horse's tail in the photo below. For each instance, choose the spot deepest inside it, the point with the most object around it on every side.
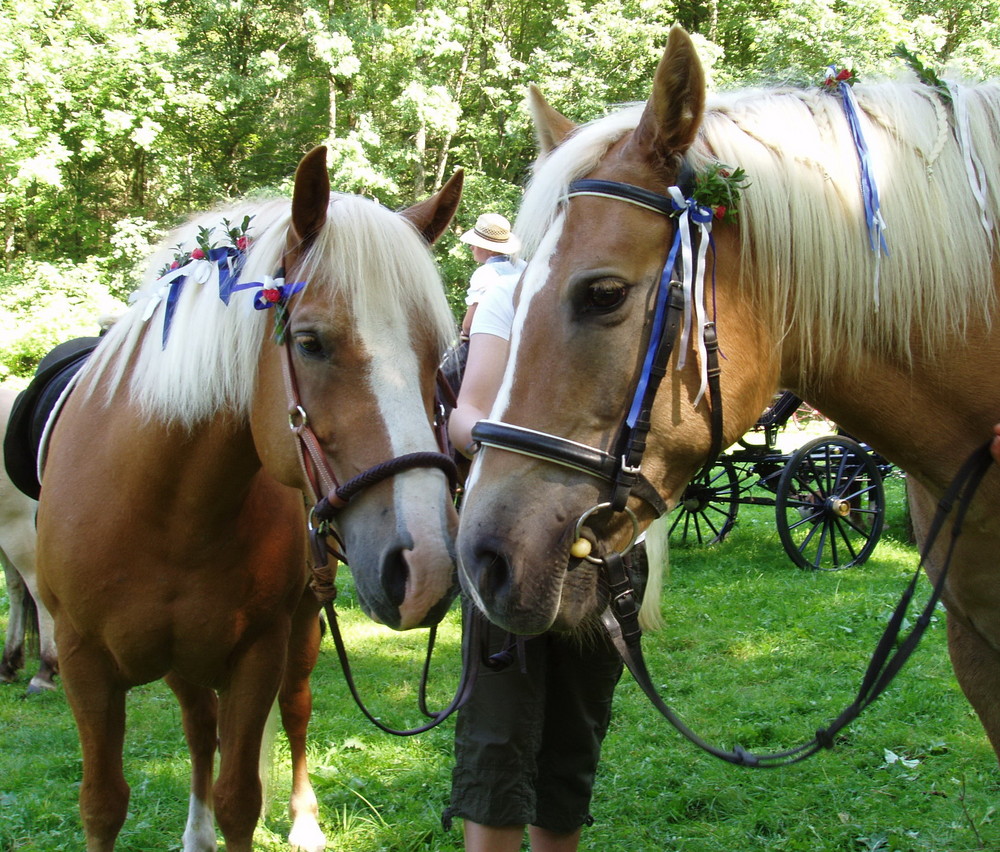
(266, 764)
(32, 636)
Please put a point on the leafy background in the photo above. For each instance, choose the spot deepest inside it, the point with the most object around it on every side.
(119, 117)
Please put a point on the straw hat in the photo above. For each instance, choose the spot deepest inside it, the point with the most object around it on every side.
(492, 232)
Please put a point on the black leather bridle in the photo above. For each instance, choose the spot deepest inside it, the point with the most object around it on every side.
(621, 470)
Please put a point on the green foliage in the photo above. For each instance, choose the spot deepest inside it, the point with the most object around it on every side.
(121, 117)
(43, 304)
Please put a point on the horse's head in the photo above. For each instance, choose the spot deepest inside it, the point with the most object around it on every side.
(582, 326)
(355, 372)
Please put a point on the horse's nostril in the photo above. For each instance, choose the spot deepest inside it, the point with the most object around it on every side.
(395, 576)
(494, 575)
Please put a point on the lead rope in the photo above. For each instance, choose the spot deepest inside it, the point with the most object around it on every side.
(621, 621)
(470, 670)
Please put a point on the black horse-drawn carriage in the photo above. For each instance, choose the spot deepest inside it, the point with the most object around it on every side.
(828, 496)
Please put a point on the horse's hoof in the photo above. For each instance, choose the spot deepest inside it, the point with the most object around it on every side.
(38, 686)
(306, 836)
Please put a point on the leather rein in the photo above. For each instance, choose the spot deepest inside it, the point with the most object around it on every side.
(621, 471)
(330, 496)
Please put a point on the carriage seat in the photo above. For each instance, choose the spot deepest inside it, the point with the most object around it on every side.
(32, 409)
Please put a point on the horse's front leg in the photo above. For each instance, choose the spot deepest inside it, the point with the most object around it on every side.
(295, 699)
(97, 700)
(243, 711)
(199, 712)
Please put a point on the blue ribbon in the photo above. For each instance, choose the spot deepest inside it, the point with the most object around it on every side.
(171, 305)
(869, 188)
(656, 332)
(230, 261)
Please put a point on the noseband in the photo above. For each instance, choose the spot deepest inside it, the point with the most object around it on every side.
(621, 469)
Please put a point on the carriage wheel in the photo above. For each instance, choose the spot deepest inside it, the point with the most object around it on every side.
(830, 504)
(707, 509)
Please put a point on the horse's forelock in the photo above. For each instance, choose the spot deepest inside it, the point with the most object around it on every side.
(380, 263)
(578, 155)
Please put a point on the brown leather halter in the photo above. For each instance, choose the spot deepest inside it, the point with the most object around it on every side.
(331, 497)
(329, 494)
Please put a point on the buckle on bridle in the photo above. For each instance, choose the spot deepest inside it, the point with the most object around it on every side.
(297, 418)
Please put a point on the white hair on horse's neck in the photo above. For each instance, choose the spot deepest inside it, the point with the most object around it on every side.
(371, 255)
(802, 222)
(806, 252)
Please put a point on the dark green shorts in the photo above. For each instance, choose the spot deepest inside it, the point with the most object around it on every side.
(528, 741)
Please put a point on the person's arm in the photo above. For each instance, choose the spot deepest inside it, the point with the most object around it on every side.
(483, 374)
(467, 320)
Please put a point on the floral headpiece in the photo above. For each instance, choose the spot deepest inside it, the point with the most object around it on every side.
(835, 76)
(719, 188)
(221, 264)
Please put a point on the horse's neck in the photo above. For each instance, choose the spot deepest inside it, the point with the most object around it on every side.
(925, 417)
(204, 471)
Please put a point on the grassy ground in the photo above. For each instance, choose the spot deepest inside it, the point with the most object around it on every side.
(756, 651)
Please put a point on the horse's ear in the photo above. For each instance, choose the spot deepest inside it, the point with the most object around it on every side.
(674, 110)
(311, 197)
(551, 126)
(431, 216)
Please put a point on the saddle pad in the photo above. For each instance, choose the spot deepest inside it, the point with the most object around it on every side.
(32, 409)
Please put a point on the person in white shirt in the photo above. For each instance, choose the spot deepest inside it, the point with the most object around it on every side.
(492, 243)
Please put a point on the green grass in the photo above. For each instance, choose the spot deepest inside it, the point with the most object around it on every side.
(755, 651)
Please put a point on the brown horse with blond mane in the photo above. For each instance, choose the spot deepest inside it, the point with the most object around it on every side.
(172, 527)
(899, 346)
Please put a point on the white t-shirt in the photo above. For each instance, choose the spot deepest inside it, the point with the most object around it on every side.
(495, 314)
(491, 273)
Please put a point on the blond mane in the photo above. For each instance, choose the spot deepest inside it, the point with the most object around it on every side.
(802, 225)
(209, 363)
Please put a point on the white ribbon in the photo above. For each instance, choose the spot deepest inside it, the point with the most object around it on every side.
(974, 170)
(198, 271)
(693, 283)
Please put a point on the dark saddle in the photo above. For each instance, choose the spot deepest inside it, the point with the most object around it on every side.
(32, 409)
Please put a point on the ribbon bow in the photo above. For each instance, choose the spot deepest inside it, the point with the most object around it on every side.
(692, 214)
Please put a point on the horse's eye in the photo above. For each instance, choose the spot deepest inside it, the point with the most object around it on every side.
(308, 343)
(605, 295)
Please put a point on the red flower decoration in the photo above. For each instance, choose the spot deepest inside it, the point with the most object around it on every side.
(271, 295)
(198, 254)
(175, 264)
(720, 212)
(242, 243)
(844, 74)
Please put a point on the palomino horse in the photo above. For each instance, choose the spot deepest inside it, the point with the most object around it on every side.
(172, 530)
(17, 553)
(899, 347)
